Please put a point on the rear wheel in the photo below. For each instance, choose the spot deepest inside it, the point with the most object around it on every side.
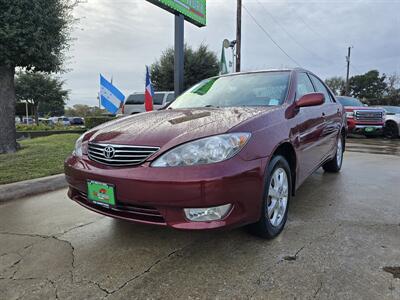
(277, 195)
(335, 164)
(391, 130)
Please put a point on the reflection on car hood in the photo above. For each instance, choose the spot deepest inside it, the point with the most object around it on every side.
(172, 127)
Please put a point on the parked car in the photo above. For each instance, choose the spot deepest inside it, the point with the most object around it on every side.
(230, 151)
(362, 119)
(134, 104)
(60, 120)
(44, 121)
(28, 121)
(76, 121)
(392, 121)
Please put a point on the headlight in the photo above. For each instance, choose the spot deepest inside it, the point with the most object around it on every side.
(350, 114)
(78, 147)
(204, 151)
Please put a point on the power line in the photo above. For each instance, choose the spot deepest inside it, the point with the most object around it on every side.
(269, 36)
(290, 35)
(320, 36)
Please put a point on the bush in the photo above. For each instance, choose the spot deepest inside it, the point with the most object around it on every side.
(92, 122)
(45, 127)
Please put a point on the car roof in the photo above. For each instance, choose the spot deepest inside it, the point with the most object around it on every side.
(265, 71)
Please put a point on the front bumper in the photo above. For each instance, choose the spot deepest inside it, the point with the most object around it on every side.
(159, 195)
(362, 128)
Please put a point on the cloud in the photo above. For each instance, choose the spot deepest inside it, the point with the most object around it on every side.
(118, 38)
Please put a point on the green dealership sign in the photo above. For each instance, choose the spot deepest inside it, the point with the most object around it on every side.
(194, 11)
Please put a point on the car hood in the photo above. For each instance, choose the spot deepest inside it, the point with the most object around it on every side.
(353, 108)
(170, 127)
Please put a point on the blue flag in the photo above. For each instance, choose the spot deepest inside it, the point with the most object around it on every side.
(111, 98)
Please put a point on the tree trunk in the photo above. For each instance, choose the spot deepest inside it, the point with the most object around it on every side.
(8, 141)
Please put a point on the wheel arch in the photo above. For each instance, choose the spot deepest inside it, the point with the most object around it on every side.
(286, 150)
(343, 132)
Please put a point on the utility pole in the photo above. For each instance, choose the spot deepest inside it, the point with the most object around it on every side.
(238, 35)
(348, 71)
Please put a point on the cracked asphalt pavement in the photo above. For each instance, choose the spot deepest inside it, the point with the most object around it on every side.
(342, 241)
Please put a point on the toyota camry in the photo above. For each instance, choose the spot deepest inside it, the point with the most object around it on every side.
(231, 151)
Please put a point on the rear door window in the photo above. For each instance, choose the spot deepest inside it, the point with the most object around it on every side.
(158, 99)
(304, 86)
(170, 98)
(135, 99)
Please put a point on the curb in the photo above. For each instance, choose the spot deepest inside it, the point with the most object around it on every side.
(32, 187)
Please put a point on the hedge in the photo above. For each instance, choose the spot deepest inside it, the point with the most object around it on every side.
(46, 127)
(91, 122)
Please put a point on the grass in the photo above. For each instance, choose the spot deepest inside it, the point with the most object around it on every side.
(37, 158)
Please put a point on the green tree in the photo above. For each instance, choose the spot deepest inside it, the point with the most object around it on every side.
(337, 85)
(199, 64)
(393, 85)
(44, 92)
(33, 36)
(368, 86)
(82, 110)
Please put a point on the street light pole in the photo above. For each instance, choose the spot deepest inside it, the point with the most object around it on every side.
(238, 35)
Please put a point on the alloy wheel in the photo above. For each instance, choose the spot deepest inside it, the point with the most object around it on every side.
(339, 151)
(277, 197)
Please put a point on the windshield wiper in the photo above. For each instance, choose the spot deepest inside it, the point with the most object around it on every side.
(209, 105)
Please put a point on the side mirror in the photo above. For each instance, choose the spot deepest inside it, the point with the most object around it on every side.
(312, 99)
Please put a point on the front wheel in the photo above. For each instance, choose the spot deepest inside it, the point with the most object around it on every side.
(391, 130)
(335, 164)
(276, 198)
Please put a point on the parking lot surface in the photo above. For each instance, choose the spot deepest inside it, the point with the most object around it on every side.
(342, 241)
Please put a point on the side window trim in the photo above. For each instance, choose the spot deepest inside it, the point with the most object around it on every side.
(308, 76)
(331, 97)
(312, 81)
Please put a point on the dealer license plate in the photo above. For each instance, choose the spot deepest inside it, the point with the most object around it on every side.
(101, 193)
(369, 129)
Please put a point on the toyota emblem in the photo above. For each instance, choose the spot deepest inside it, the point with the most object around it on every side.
(109, 152)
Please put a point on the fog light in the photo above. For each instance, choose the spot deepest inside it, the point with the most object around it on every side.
(207, 214)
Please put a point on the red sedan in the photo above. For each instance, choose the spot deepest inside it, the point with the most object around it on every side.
(231, 151)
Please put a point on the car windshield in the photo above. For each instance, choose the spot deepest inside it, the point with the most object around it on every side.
(347, 101)
(392, 109)
(256, 89)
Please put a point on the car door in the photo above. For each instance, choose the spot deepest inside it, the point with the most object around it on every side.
(310, 128)
(332, 118)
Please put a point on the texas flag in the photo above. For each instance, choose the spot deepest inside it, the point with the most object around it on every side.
(149, 92)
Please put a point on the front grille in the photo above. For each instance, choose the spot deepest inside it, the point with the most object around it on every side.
(145, 213)
(369, 116)
(120, 155)
(128, 211)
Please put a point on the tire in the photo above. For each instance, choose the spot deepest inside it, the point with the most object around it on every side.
(271, 224)
(335, 164)
(391, 130)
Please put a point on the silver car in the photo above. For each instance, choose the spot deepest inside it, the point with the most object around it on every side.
(134, 104)
(392, 121)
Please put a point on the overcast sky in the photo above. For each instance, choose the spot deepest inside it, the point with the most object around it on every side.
(119, 37)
